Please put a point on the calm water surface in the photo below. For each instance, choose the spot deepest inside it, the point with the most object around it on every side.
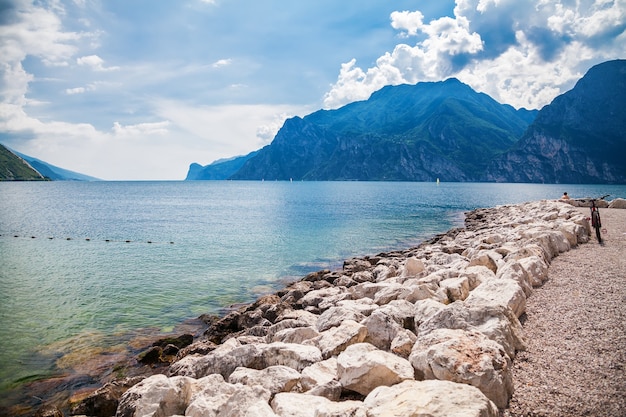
(87, 266)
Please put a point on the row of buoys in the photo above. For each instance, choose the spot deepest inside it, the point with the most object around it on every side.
(104, 240)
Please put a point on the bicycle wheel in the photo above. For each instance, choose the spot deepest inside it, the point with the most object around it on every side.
(595, 221)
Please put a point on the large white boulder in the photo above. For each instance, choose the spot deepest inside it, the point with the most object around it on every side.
(513, 270)
(536, 268)
(499, 292)
(335, 340)
(618, 203)
(456, 288)
(220, 399)
(334, 316)
(496, 322)
(430, 398)
(319, 373)
(275, 379)
(412, 267)
(362, 367)
(157, 396)
(256, 356)
(303, 405)
(467, 357)
(381, 329)
(293, 335)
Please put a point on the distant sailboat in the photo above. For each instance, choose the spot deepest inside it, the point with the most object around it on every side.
(437, 181)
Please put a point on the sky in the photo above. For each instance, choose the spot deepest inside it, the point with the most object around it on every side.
(140, 89)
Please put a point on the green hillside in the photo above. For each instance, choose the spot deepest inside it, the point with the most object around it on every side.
(14, 168)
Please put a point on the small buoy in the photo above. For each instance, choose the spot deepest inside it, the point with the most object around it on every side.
(106, 240)
(87, 239)
(50, 238)
(15, 236)
(128, 241)
(33, 237)
(69, 238)
(171, 243)
(149, 241)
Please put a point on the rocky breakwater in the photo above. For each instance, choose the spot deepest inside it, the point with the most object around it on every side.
(432, 330)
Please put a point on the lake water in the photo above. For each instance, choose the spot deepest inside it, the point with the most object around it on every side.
(86, 267)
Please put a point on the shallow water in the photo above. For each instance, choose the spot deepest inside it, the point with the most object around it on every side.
(87, 267)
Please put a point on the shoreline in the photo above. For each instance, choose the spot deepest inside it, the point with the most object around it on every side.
(242, 325)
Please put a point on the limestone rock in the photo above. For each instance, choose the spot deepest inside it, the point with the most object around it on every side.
(362, 367)
(216, 398)
(303, 405)
(498, 323)
(334, 316)
(424, 309)
(365, 306)
(402, 344)
(224, 361)
(499, 292)
(430, 398)
(412, 267)
(455, 288)
(488, 258)
(514, 270)
(294, 335)
(275, 379)
(618, 203)
(467, 357)
(536, 268)
(476, 275)
(315, 297)
(318, 374)
(334, 341)
(381, 329)
(157, 395)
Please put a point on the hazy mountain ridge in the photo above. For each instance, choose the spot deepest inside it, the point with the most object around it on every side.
(218, 170)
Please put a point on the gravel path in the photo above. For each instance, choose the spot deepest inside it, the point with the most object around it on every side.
(575, 330)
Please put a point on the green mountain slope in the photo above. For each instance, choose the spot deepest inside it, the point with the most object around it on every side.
(14, 168)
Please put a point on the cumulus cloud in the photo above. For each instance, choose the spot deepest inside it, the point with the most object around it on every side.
(521, 52)
(95, 63)
(141, 129)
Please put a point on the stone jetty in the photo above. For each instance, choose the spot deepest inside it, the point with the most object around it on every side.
(431, 330)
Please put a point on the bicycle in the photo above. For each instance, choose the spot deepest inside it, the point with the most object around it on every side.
(596, 222)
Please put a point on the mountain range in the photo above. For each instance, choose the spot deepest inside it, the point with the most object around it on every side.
(446, 130)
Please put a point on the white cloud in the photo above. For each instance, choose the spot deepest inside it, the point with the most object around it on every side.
(522, 52)
(224, 130)
(38, 32)
(411, 22)
(76, 90)
(95, 63)
(141, 129)
(222, 63)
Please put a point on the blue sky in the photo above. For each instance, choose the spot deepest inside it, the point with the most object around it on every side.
(139, 89)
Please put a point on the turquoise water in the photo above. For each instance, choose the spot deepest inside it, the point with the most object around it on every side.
(89, 266)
